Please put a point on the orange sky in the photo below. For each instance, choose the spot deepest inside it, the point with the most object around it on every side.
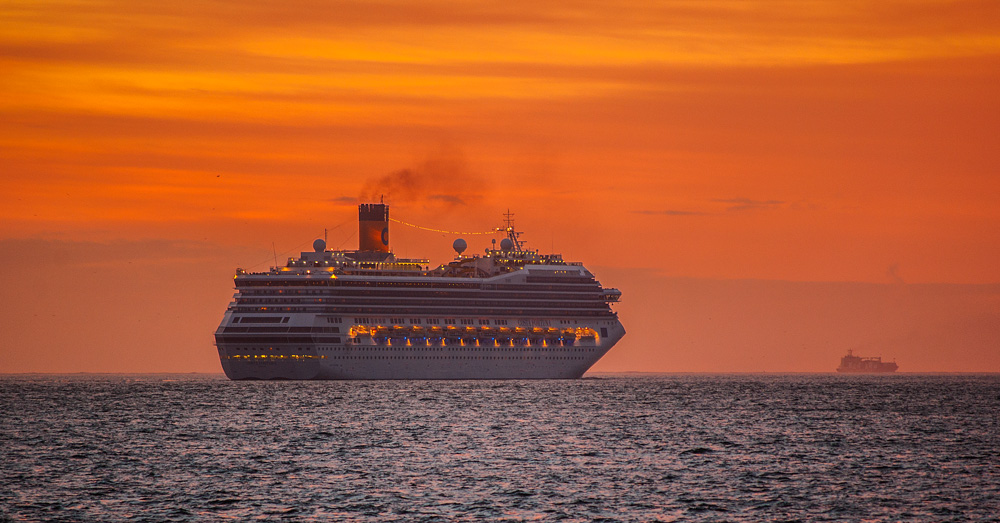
(769, 183)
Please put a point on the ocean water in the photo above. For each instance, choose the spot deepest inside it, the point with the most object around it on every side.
(603, 448)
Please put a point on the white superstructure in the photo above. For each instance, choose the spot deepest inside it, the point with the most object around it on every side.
(508, 314)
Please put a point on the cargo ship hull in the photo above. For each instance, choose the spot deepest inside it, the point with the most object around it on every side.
(852, 364)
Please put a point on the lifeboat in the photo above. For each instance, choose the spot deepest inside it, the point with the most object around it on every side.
(399, 333)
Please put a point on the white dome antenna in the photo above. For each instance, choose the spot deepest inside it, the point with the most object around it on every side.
(459, 245)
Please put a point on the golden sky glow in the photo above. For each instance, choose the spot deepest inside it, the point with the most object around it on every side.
(820, 141)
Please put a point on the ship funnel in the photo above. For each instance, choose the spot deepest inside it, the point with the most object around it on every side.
(373, 227)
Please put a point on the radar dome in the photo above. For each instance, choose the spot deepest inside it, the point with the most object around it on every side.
(319, 245)
(506, 244)
(459, 245)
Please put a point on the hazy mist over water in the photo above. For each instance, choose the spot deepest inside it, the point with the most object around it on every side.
(607, 448)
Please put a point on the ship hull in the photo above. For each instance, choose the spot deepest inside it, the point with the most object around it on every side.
(883, 370)
(421, 361)
(404, 368)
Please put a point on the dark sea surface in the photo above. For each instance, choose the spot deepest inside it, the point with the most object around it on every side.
(761, 447)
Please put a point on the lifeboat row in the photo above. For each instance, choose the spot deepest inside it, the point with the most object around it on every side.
(491, 335)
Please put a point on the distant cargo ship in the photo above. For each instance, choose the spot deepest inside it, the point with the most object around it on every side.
(852, 364)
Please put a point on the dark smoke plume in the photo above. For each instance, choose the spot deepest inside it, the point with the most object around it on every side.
(441, 181)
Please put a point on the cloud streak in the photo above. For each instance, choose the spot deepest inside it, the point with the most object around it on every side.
(746, 204)
(669, 212)
(733, 205)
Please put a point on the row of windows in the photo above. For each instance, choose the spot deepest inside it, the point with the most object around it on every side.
(594, 302)
(379, 349)
(300, 349)
(224, 338)
(487, 322)
(425, 321)
(590, 290)
(335, 330)
(265, 281)
(261, 319)
(413, 321)
(418, 321)
(299, 357)
(559, 279)
(270, 357)
(457, 357)
(532, 312)
(466, 342)
(557, 286)
(471, 348)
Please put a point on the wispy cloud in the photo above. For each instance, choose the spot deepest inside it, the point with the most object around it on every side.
(447, 198)
(669, 212)
(118, 253)
(732, 205)
(746, 204)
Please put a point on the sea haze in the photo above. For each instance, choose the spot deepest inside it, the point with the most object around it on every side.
(610, 448)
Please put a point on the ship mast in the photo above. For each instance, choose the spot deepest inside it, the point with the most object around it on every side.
(511, 233)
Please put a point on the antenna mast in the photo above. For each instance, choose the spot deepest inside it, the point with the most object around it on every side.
(509, 219)
(511, 233)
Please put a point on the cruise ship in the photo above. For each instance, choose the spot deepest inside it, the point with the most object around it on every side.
(510, 313)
